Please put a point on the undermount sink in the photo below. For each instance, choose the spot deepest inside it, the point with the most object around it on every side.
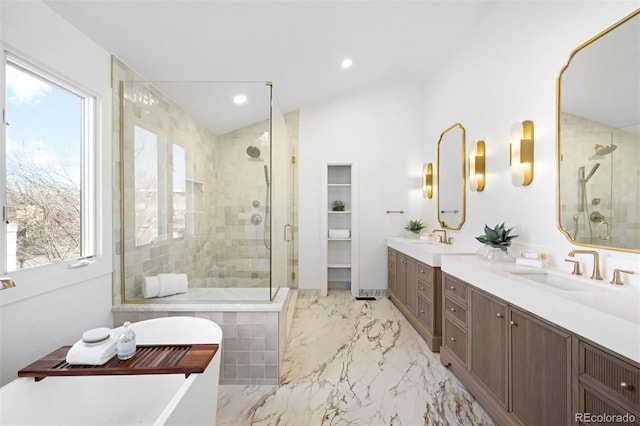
(554, 280)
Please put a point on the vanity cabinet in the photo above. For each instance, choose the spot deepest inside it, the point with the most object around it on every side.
(517, 365)
(415, 289)
(488, 341)
(540, 370)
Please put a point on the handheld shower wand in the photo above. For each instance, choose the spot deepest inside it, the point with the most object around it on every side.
(593, 170)
(582, 201)
(267, 220)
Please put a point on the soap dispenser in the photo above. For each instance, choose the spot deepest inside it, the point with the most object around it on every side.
(127, 342)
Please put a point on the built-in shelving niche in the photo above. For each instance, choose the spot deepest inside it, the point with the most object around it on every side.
(339, 228)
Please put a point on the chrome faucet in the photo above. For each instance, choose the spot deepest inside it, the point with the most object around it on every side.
(595, 275)
(445, 239)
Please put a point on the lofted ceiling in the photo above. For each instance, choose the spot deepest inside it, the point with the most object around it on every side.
(298, 45)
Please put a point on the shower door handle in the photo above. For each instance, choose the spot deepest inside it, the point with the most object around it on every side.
(288, 236)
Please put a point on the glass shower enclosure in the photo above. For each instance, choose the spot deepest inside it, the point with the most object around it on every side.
(203, 183)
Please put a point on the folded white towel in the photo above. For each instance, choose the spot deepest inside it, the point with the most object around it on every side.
(339, 233)
(150, 287)
(164, 285)
(172, 284)
(82, 353)
(432, 238)
(536, 263)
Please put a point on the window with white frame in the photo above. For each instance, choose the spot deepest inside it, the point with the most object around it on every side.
(48, 183)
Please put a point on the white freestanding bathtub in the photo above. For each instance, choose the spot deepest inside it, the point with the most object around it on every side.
(156, 399)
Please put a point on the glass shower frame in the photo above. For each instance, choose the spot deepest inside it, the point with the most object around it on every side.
(213, 203)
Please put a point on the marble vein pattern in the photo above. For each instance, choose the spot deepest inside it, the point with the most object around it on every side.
(353, 362)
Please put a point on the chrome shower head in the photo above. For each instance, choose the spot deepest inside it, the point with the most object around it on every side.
(602, 150)
(253, 151)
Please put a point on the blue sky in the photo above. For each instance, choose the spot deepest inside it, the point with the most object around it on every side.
(44, 123)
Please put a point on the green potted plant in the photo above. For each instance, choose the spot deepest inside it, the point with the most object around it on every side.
(415, 226)
(497, 238)
(338, 206)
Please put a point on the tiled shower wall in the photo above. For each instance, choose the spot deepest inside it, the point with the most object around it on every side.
(614, 183)
(239, 236)
(149, 108)
(241, 194)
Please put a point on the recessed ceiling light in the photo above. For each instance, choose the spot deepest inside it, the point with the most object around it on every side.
(240, 99)
(346, 63)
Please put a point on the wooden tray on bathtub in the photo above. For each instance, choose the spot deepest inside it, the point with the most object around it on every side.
(149, 359)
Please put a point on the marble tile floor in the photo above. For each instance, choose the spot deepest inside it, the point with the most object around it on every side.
(353, 362)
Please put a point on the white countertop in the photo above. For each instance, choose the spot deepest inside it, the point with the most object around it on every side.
(428, 252)
(606, 314)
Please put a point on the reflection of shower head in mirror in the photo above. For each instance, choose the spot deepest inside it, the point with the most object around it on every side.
(602, 150)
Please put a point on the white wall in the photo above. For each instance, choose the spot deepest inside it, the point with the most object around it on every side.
(34, 323)
(505, 73)
(379, 130)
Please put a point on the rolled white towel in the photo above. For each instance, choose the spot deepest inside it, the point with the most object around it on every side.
(82, 353)
(172, 284)
(150, 287)
(339, 233)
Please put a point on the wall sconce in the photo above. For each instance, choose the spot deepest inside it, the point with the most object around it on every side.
(521, 160)
(476, 167)
(427, 180)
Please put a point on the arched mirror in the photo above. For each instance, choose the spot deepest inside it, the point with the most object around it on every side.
(598, 140)
(451, 177)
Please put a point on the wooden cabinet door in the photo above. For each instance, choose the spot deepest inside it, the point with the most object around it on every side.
(411, 285)
(488, 330)
(540, 371)
(401, 268)
(391, 271)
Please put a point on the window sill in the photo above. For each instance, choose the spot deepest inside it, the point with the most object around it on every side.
(41, 280)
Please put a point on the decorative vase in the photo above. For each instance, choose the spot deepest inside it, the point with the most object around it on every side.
(494, 254)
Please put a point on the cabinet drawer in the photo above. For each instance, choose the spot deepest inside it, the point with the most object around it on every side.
(425, 313)
(592, 403)
(425, 290)
(456, 288)
(456, 310)
(616, 375)
(425, 273)
(455, 339)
